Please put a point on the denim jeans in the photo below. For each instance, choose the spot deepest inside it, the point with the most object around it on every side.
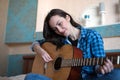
(32, 76)
(113, 75)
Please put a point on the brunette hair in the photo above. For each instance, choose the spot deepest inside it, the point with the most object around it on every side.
(49, 34)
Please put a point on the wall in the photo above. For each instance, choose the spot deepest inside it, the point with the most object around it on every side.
(3, 48)
(21, 21)
(8, 50)
(77, 9)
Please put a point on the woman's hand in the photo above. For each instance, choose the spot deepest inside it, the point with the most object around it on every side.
(107, 67)
(37, 48)
(45, 56)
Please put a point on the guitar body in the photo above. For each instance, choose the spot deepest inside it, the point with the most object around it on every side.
(49, 69)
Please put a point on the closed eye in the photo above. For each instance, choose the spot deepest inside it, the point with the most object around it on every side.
(59, 24)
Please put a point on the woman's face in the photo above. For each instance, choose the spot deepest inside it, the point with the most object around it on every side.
(60, 24)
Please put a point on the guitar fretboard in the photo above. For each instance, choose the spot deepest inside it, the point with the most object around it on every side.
(89, 61)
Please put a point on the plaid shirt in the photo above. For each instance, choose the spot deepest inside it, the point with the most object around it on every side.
(91, 44)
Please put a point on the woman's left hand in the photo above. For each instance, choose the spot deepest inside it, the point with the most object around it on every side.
(107, 67)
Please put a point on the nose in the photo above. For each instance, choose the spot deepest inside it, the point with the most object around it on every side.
(59, 29)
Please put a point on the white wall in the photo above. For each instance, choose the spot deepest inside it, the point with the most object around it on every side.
(77, 8)
(112, 43)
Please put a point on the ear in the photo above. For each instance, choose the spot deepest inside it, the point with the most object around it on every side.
(67, 17)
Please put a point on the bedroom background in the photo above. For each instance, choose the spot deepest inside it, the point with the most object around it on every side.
(21, 23)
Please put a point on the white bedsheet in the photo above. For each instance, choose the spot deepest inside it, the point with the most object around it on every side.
(18, 77)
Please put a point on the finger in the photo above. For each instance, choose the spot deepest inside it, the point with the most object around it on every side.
(102, 70)
(44, 59)
(105, 69)
(110, 64)
(48, 58)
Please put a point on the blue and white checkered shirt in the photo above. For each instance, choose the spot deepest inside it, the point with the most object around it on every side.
(91, 44)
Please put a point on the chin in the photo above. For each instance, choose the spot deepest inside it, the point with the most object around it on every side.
(66, 35)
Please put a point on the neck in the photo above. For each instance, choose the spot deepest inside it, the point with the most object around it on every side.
(74, 34)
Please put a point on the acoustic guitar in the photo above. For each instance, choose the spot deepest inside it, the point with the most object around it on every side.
(66, 63)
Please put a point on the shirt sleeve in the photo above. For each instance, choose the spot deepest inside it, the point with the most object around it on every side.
(40, 42)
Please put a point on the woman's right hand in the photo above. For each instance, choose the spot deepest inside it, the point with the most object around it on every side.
(37, 48)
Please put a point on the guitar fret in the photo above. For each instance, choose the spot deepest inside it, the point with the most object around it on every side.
(75, 64)
(81, 61)
(93, 61)
(72, 62)
(69, 63)
(87, 61)
(97, 61)
(62, 64)
(118, 59)
(78, 62)
(101, 61)
(111, 59)
(65, 62)
(90, 61)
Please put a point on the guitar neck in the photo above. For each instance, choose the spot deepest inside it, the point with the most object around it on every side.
(89, 61)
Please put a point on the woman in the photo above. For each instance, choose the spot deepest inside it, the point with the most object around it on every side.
(60, 26)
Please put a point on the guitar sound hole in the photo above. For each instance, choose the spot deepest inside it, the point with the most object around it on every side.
(57, 64)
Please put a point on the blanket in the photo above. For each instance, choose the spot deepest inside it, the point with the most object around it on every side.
(18, 77)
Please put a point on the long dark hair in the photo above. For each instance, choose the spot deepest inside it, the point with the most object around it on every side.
(50, 34)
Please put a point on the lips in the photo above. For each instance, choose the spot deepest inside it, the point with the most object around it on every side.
(63, 32)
